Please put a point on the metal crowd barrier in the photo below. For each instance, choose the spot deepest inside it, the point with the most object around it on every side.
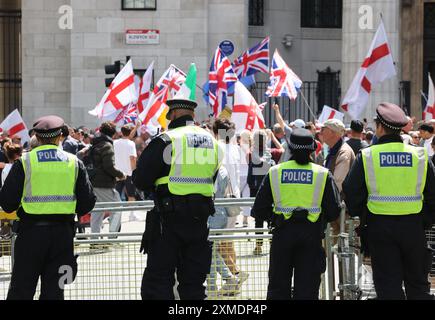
(112, 268)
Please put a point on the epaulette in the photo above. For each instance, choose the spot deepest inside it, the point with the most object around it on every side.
(164, 137)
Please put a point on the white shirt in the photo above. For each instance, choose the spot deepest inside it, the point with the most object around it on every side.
(428, 146)
(124, 149)
(5, 172)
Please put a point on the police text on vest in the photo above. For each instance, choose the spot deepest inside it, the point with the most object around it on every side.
(298, 176)
(199, 141)
(50, 156)
(395, 159)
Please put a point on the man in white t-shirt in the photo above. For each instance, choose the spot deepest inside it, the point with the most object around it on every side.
(125, 161)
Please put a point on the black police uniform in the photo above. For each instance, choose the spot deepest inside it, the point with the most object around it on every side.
(44, 242)
(296, 244)
(176, 235)
(396, 244)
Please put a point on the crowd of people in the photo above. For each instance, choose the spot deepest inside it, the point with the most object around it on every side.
(110, 155)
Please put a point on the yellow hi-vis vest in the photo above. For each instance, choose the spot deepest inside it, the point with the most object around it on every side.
(295, 185)
(395, 175)
(194, 162)
(50, 180)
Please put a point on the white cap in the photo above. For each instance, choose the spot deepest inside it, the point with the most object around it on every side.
(335, 125)
(299, 123)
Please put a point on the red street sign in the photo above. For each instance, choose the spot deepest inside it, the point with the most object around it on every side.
(142, 36)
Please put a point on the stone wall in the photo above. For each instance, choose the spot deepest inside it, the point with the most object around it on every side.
(65, 68)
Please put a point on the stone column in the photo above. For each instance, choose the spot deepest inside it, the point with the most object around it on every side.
(46, 55)
(227, 20)
(356, 43)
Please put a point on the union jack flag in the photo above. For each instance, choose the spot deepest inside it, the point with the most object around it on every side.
(169, 84)
(127, 115)
(283, 81)
(254, 60)
(220, 77)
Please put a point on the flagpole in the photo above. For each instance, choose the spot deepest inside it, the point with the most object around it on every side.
(309, 108)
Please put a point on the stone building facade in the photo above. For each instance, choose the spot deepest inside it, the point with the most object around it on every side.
(62, 70)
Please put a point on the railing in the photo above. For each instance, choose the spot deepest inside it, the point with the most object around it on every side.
(112, 268)
(290, 110)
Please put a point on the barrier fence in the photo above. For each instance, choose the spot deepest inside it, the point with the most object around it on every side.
(112, 269)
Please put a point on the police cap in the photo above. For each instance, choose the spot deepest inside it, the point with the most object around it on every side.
(302, 139)
(48, 126)
(391, 116)
(180, 104)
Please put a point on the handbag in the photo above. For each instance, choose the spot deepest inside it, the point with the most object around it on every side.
(232, 211)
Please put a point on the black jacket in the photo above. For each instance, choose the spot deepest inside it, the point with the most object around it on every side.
(331, 202)
(355, 188)
(103, 156)
(357, 144)
(12, 192)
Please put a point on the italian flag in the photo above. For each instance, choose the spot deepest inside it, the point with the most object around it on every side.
(187, 90)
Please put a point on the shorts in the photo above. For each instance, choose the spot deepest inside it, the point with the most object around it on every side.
(126, 186)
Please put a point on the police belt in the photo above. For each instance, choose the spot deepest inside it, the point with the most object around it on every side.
(299, 215)
(44, 223)
(196, 205)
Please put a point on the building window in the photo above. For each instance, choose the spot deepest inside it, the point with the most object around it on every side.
(429, 15)
(328, 88)
(321, 13)
(256, 12)
(139, 4)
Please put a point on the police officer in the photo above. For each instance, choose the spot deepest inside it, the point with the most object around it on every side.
(178, 168)
(300, 197)
(48, 187)
(391, 186)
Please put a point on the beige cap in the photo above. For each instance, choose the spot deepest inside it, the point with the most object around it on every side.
(335, 125)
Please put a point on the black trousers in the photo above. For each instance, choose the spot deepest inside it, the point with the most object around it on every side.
(182, 247)
(296, 251)
(46, 252)
(397, 246)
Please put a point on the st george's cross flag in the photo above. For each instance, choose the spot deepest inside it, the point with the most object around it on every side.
(145, 88)
(429, 111)
(14, 125)
(330, 113)
(121, 92)
(377, 67)
(246, 113)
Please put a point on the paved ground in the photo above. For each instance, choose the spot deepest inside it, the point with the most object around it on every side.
(116, 272)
